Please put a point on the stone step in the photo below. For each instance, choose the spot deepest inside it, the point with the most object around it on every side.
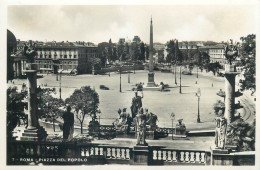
(30, 134)
(31, 131)
(29, 138)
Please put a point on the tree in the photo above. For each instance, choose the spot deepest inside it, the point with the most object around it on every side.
(84, 101)
(214, 67)
(110, 50)
(103, 52)
(120, 51)
(142, 52)
(241, 134)
(205, 58)
(247, 54)
(137, 52)
(15, 109)
(171, 52)
(114, 56)
(160, 56)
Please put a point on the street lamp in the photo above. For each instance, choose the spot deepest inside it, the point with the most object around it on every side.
(197, 71)
(172, 117)
(120, 90)
(180, 78)
(60, 84)
(175, 62)
(198, 94)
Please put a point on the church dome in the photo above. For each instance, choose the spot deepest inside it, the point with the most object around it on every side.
(11, 41)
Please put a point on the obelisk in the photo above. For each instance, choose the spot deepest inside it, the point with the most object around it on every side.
(151, 73)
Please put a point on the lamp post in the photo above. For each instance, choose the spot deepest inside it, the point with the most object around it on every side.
(175, 63)
(60, 85)
(172, 117)
(197, 71)
(180, 79)
(109, 72)
(198, 94)
(57, 76)
(120, 90)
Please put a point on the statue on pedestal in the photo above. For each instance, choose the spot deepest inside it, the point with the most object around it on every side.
(180, 128)
(123, 122)
(231, 52)
(151, 120)
(140, 124)
(29, 52)
(68, 126)
(136, 104)
(221, 130)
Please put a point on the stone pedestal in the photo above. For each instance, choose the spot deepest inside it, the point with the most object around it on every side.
(151, 82)
(180, 134)
(220, 156)
(141, 155)
(230, 74)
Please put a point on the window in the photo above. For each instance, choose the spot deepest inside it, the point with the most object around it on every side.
(65, 56)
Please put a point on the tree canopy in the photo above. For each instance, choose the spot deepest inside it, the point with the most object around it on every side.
(84, 101)
(247, 55)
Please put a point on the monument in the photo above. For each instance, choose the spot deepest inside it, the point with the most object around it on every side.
(180, 130)
(34, 132)
(231, 52)
(141, 150)
(151, 84)
(136, 104)
(223, 121)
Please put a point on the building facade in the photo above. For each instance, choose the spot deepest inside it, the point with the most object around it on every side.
(65, 57)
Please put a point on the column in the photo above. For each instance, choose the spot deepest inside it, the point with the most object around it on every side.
(34, 132)
(16, 65)
(230, 74)
(230, 96)
(19, 69)
(32, 105)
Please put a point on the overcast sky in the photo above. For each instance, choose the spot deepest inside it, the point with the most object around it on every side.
(100, 23)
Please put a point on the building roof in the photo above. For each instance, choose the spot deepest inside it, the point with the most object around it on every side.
(218, 46)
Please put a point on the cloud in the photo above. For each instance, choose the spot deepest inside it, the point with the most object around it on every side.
(100, 23)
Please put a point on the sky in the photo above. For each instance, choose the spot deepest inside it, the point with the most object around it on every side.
(100, 23)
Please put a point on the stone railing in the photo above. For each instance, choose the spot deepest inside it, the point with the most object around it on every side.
(60, 153)
(108, 153)
(164, 156)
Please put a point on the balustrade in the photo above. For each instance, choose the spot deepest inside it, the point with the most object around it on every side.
(112, 154)
(180, 156)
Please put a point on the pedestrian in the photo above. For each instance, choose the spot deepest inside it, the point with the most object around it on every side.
(212, 85)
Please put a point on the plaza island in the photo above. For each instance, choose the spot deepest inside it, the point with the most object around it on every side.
(62, 116)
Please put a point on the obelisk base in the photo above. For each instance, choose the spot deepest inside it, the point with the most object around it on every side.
(151, 82)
